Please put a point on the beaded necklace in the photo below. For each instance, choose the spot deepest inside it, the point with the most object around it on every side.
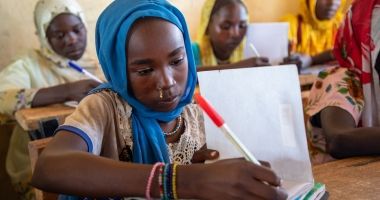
(177, 127)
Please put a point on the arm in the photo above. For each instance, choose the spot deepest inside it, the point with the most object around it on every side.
(323, 57)
(65, 92)
(344, 139)
(249, 62)
(96, 176)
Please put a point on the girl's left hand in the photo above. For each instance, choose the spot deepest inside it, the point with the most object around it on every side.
(204, 154)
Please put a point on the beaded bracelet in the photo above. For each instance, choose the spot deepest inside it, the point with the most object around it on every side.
(150, 178)
(164, 181)
(174, 181)
(160, 177)
(169, 183)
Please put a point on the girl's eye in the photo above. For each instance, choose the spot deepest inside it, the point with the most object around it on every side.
(225, 26)
(144, 72)
(59, 35)
(78, 29)
(243, 25)
(177, 61)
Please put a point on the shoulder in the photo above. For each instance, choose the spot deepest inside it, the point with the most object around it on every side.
(291, 18)
(108, 100)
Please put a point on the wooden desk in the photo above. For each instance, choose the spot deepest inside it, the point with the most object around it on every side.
(29, 118)
(307, 80)
(353, 178)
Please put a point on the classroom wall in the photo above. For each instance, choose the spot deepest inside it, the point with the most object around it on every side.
(17, 32)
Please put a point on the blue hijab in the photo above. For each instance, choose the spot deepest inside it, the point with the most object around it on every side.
(149, 145)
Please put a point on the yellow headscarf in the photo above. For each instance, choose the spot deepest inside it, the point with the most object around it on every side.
(316, 35)
(207, 54)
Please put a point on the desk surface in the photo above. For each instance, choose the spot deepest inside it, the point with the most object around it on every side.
(307, 79)
(29, 118)
(353, 178)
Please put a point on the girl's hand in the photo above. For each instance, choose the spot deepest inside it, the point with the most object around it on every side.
(204, 154)
(79, 89)
(236, 179)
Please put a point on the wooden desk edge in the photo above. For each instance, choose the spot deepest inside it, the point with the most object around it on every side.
(29, 118)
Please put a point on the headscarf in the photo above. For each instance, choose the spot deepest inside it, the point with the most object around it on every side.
(44, 12)
(149, 145)
(308, 34)
(357, 47)
(207, 53)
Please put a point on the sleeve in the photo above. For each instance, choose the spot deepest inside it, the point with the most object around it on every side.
(90, 121)
(338, 87)
(15, 87)
(293, 29)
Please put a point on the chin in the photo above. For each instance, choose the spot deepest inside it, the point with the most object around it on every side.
(75, 57)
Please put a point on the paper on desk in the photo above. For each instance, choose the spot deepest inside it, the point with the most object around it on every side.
(263, 107)
(270, 40)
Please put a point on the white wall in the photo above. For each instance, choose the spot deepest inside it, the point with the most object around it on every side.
(17, 32)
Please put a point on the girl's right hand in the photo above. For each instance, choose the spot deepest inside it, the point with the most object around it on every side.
(237, 179)
(78, 90)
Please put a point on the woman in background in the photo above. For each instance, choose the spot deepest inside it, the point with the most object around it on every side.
(344, 103)
(42, 77)
(312, 31)
(221, 34)
(146, 133)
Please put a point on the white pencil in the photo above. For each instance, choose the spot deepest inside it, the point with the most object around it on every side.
(254, 50)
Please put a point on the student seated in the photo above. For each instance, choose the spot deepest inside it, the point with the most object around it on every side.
(312, 31)
(221, 34)
(344, 101)
(42, 77)
(141, 125)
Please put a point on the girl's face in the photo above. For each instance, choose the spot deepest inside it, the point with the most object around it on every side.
(67, 36)
(326, 9)
(227, 28)
(157, 64)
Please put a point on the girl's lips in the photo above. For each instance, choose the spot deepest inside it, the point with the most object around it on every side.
(169, 103)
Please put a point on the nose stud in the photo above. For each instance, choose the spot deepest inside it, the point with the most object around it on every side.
(161, 93)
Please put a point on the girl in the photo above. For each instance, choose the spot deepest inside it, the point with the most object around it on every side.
(221, 34)
(344, 103)
(141, 125)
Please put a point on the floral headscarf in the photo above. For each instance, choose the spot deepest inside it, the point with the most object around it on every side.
(357, 46)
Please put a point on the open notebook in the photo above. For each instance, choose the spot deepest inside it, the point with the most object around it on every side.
(263, 107)
(270, 40)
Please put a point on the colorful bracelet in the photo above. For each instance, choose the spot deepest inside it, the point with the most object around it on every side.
(164, 181)
(150, 178)
(174, 181)
(160, 177)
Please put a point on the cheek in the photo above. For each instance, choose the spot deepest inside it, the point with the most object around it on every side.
(181, 77)
(140, 86)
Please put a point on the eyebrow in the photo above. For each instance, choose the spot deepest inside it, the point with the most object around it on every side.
(148, 61)
(80, 24)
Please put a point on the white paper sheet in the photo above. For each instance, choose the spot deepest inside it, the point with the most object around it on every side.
(270, 40)
(263, 107)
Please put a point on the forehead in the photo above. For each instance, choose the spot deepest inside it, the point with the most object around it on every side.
(231, 11)
(63, 21)
(153, 33)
